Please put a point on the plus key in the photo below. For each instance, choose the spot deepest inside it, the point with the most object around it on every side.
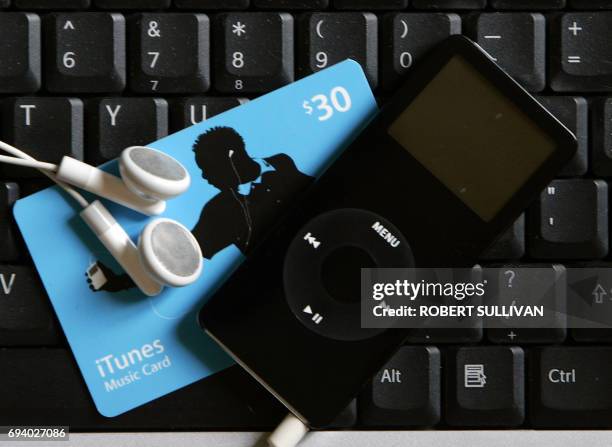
(581, 57)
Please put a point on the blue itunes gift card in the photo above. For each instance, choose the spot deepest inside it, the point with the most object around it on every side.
(246, 166)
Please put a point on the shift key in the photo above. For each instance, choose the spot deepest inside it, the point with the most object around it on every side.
(571, 387)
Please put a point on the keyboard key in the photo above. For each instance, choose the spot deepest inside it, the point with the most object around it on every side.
(456, 330)
(9, 192)
(189, 111)
(19, 52)
(45, 128)
(44, 387)
(85, 52)
(472, 334)
(601, 131)
(406, 391)
(212, 4)
(133, 4)
(449, 4)
(370, 4)
(407, 37)
(516, 41)
(590, 293)
(5, 3)
(116, 123)
(291, 4)
(527, 4)
(526, 336)
(580, 54)
(511, 244)
(169, 53)
(485, 386)
(26, 317)
(591, 4)
(253, 52)
(570, 221)
(592, 335)
(52, 4)
(570, 387)
(328, 38)
(573, 113)
(532, 285)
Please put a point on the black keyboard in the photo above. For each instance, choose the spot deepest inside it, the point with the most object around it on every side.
(87, 78)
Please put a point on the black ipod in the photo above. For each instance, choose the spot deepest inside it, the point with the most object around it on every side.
(450, 162)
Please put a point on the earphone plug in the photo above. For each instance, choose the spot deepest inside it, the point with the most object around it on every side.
(119, 244)
(289, 432)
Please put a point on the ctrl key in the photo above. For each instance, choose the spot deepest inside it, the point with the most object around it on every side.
(571, 387)
(405, 392)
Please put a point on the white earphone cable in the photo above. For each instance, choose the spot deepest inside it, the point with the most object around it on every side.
(40, 165)
(24, 159)
(244, 205)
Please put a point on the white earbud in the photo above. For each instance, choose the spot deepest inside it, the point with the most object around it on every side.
(170, 253)
(167, 253)
(153, 174)
(148, 178)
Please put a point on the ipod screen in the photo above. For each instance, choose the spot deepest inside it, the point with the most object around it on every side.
(472, 138)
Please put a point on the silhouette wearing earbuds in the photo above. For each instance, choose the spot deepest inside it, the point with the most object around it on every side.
(253, 193)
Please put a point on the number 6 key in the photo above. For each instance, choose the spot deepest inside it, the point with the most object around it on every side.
(86, 52)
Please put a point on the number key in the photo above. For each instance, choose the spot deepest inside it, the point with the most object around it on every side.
(169, 53)
(86, 52)
(406, 37)
(20, 52)
(329, 38)
(516, 41)
(254, 51)
(581, 57)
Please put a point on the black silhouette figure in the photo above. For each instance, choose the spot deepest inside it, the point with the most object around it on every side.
(253, 193)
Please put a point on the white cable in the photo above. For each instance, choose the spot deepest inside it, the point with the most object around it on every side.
(20, 154)
(40, 165)
(289, 432)
(245, 205)
(14, 151)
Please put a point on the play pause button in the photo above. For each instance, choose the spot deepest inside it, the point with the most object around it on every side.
(317, 318)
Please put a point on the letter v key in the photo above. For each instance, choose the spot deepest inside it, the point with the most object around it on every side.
(7, 287)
